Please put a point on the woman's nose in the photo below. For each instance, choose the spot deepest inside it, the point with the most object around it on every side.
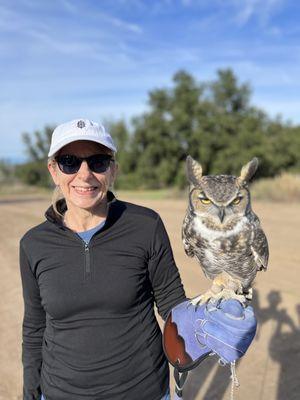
(84, 169)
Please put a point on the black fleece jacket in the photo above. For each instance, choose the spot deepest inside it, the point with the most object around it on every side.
(89, 328)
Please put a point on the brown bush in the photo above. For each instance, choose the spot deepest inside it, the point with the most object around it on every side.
(283, 187)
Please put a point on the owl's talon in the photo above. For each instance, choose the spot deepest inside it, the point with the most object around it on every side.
(203, 299)
(225, 294)
(228, 294)
(195, 301)
(249, 294)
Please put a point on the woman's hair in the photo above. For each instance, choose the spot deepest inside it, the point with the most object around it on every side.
(57, 193)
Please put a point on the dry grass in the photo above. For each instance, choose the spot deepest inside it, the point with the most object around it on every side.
(283, 187)
(20, 189)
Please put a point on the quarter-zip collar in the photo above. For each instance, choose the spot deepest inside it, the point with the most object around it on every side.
(61, 205)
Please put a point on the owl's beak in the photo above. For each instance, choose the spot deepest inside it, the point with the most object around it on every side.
(221, 214)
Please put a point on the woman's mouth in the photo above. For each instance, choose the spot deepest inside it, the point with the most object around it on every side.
(85, 189)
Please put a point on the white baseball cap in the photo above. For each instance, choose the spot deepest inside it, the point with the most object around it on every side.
(80, 129)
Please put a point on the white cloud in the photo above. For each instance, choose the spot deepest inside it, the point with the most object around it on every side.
(124, 25)
(186, 2)
(245, 11)
(113, 20)
(69, 6)
(262, 10)
(44, 37)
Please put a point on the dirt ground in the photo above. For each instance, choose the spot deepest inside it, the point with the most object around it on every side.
(271, 368)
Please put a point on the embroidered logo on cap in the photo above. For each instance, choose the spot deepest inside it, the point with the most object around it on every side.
(80, 124)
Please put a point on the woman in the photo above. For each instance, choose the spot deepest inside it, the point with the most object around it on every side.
(90, 275)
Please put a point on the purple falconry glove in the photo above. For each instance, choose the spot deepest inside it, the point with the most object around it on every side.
(191, 332)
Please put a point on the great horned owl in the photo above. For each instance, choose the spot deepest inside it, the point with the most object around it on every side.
(223, 233)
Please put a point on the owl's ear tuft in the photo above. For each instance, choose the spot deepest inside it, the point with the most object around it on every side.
(193, 170)
(248, 170)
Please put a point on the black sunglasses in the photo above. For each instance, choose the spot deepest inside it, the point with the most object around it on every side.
(70, 164)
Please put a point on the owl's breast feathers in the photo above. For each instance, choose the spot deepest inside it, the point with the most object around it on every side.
(239, 251)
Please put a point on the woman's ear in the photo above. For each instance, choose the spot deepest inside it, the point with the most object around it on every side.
(53, 171)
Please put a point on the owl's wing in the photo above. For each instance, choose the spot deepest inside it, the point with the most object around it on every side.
(188, 239)
(188, 244)
(260, 248)
(188, 236)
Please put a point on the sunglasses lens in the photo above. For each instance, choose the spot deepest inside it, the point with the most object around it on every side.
(99, 162)
(68, 164)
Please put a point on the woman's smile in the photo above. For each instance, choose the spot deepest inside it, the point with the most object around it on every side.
(86, 190)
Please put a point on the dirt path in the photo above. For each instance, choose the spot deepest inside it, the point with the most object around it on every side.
(270, 369)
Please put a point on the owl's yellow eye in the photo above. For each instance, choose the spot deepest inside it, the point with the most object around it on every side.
(205, 200)
(236, 201)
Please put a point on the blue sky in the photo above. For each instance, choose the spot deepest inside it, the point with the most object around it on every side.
(64, 59)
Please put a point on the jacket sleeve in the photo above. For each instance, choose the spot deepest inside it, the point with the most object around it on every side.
(34, 323)
(166, 283)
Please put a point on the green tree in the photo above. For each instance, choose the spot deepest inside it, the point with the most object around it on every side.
(34, 172)
(125, 158)
(7, 171)
(228, 95)
(37, 145)
(212, 121)
(163, 135)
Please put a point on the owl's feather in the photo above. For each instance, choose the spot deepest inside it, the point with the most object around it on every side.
(260, 249)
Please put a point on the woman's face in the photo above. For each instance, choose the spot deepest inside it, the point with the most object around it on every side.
(84, 189)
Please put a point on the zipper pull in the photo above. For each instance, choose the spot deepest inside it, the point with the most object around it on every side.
(87, 259)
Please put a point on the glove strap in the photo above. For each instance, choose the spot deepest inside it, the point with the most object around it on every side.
(179, 381)
(234, 379)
